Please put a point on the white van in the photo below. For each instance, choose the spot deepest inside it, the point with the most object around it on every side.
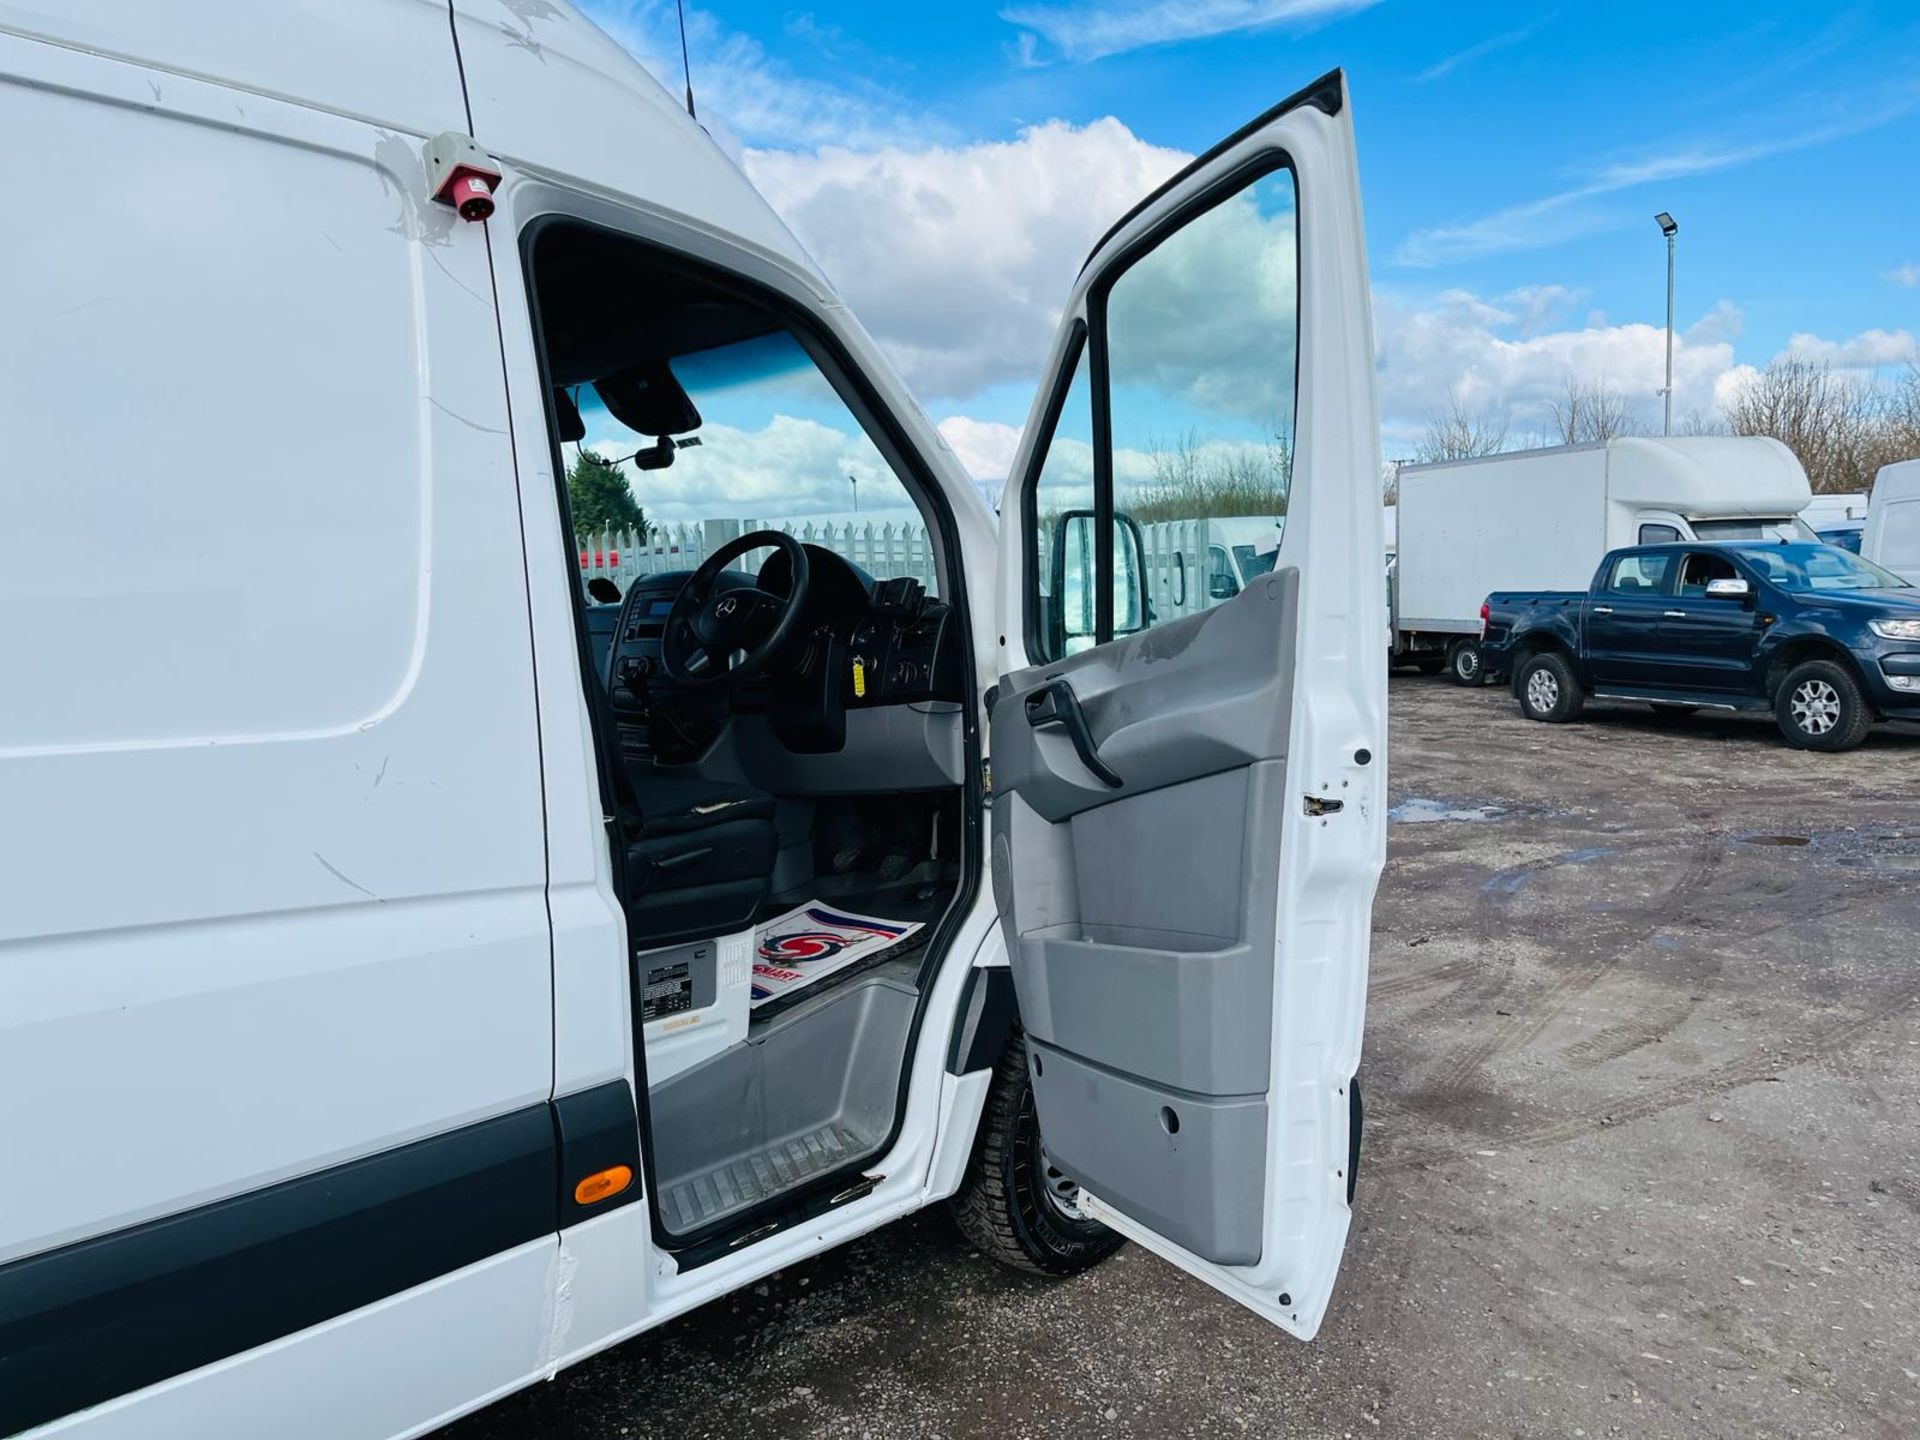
(1892, 534)
(414, 976)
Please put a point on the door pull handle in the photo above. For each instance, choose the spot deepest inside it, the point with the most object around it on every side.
(1055, 704)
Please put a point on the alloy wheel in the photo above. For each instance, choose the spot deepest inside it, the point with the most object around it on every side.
(1543, 691)
(1815, 707)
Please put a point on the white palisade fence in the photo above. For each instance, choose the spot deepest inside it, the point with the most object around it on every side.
(885, 551)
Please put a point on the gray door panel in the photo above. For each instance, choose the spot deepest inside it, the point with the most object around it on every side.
(1149, 1006)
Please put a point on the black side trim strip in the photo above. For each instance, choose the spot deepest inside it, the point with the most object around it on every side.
(1327, 94)
(986, 1020)
(598, 1129)
(1356, 1122)
(97, 1319)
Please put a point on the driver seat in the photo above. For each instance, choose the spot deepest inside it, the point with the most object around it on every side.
(702, 864)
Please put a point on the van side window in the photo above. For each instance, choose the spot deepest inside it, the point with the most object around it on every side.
(1639, 574)
(1658, 535)
(1063, 559)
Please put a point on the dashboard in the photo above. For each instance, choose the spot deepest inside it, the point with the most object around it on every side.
(858, 644)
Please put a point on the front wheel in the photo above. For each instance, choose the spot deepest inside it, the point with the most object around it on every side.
(1465, 665)
(1548, 689)
(1013, 1204)
(1819, 707)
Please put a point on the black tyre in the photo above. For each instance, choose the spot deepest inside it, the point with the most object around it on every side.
(1013, 1205)
(1548, 689)
(1819, 707)
(1430, 664)
(1464, 663)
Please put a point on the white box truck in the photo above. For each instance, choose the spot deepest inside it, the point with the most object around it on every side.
(1541, 519)
(1892, 536)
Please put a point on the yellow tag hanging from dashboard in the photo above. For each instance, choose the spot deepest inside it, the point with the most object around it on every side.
(859, 678)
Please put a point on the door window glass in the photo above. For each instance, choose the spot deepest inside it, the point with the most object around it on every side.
(1199, 337)
(1701, 569)
(1639, 574)
(1658, 534)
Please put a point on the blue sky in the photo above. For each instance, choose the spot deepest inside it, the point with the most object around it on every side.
(1512, 157)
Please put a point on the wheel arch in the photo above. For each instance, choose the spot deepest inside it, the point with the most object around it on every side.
(1799, 649)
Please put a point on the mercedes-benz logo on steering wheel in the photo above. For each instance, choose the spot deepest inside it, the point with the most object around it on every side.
(726, 607)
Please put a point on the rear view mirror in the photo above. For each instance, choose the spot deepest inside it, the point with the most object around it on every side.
(648, 400)
(1221, 586)
(1075, 559)
(1728, 589)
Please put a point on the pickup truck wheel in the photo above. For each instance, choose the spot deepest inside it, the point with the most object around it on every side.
(1819, 707)
(1013, 1204)
(1465, 665)
(1548, 689)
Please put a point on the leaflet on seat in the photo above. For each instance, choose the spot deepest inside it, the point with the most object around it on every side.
(813, 941)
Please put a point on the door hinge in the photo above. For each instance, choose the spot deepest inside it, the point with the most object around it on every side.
(1317, 805)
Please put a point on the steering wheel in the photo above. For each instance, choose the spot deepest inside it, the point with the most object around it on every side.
(717, 637)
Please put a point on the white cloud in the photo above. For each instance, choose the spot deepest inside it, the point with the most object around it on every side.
(1485, 47)
(1092, 31)
(984, 447)
(1865, 351)
(1906, 276)
(1481, 351)
(958, 258)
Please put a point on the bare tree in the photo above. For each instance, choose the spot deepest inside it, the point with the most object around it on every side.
(1193, 479)
(1592, 410)
(1842, 427)
(1457, 433)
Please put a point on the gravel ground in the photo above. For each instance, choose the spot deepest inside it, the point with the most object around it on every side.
(1642, 1158)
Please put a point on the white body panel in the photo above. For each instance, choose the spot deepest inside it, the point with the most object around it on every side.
(1541, 519)
(1892, 538)
(1824, 512)
(197, 966)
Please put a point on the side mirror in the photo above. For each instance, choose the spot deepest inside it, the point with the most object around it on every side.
(1728, 589)
(1075, 559)
(1222, 587)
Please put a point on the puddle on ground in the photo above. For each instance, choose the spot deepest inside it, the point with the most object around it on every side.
(1854, 849)
(1420, 810)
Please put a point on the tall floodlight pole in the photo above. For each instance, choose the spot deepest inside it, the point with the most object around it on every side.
(1669, 227)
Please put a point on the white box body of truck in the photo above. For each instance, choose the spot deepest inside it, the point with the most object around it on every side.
(1541, 519)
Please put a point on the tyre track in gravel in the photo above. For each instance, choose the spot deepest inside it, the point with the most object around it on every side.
(1532, 1015)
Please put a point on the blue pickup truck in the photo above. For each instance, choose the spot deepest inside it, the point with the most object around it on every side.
(1827, 641)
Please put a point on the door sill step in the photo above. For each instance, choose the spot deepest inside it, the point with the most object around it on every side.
(701, 1199)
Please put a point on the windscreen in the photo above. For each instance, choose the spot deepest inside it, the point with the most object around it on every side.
(1804, 568)
(1785, 527)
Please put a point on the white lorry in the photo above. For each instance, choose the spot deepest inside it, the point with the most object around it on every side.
(381, 922)
(1892, 534)
(1541, 519)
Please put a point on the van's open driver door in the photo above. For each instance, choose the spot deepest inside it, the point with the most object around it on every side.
(1188, 812)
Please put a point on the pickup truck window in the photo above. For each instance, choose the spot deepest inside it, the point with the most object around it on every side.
(1799, 569)
(1639, 574)
(1702, 567)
